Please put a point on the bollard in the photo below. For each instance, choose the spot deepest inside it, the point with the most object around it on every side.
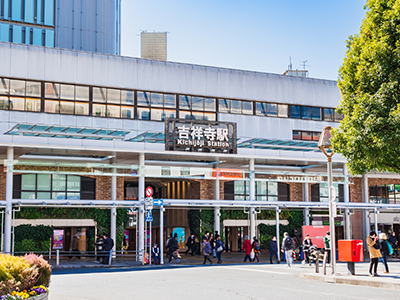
(58, 257)
(324, 262)
(317, 263)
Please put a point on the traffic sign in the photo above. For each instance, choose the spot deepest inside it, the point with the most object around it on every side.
(149, 191)
(148, 203)
(158, 202)
(149, 216)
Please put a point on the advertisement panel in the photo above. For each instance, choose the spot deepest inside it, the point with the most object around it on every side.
(58, 239)
(316, 234)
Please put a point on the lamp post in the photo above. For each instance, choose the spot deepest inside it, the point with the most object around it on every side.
(324, 144)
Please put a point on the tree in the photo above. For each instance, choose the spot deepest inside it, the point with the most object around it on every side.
(369, 135)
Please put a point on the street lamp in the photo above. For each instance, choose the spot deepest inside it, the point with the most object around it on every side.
(324, 144)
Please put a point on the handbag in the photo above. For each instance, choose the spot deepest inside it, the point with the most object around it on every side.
(220, 248)
(252, 254)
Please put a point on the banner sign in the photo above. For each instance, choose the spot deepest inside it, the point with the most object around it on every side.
(200, 136)
(58, 239)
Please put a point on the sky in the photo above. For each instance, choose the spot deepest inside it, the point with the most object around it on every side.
(255, 35)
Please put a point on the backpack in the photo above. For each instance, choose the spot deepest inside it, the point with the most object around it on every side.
(208, 248)
(390, 248)
(289, 245)
(257, 247)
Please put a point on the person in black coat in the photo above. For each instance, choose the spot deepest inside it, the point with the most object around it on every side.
(393, 240)
(273, 250)
(99, 247)
(190, 244)
(384, 250)
(108, 245)
(172, 247)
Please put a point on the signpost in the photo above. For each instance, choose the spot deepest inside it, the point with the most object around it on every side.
(158, 202)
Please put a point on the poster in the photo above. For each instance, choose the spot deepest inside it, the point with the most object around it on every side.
(316, 233)
(58, 239)
(181, 236)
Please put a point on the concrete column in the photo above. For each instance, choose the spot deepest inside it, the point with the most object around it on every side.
(252, 197)
(277, 211)
(161, 235)
(9, 195)
(365, 198)
(141, 211)
(346, 194)
(113, 226)
(306, 198)
(217, 210)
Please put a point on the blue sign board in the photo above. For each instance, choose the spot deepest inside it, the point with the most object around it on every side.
(149, 216)
(158, 202)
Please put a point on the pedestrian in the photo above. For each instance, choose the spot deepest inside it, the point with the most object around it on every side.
(256, 248)
(384, 250)
(108, 245)
(75, 247)
(287, 248)
(173, 246)
(155, 253)
(327, 243)
(190, 244)
(247, 249)
(206, 250)
(374, 253)
(219, 248)
(307, 243)
(99, 247)
(177, 249)
(207, 236)
(212, 243)
(394, 242)
(273, 250)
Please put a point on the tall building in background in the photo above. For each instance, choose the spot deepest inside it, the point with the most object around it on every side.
(154, 45)
(88, 25)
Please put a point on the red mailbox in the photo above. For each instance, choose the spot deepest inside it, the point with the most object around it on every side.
(351, 250)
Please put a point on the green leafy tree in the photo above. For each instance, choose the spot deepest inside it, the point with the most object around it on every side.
(369, 81)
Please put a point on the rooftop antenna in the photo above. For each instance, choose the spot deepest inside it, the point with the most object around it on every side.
(303, 63)
(290, 63)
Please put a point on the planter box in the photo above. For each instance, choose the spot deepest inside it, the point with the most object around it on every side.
(41, 297)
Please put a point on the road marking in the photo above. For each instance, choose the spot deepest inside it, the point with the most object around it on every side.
(255, 270)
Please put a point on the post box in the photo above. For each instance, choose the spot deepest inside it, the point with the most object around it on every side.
(350, 250)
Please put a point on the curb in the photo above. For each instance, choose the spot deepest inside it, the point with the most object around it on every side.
(85, 266)
(352, 281)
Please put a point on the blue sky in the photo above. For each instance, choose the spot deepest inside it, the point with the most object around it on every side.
(251, 35)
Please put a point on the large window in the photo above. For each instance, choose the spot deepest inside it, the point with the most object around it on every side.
(54, 186)
(306, 135)
(385, 193)
(155, 106)
(319, 192)
(265, 190)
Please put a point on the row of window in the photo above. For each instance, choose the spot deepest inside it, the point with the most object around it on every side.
(385, 193)
(306, 135)
(116, 103)
(55, 186)
(26, 35)
(28, 11)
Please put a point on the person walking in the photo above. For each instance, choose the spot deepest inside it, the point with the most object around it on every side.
(394, 242)
(108, 245)
(155, 253)
(212, 243)
(219, 248)
(247, 249)
(307, 243)
(374, 253)
(190, 244)
(384, 250)
(256, 248)
(287, 248)
(75, 247)
(327, 242)
(206, 250)
(99, 247)
(273, 250)
(173, 246)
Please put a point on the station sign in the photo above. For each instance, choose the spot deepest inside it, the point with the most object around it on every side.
(200, 136)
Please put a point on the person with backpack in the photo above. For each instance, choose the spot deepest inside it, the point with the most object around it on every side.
(206, 250)
(327, 243)
(307, 243)
(219, 248)
(247, 249)
(256, 248)
(385, 250)
(287, 248)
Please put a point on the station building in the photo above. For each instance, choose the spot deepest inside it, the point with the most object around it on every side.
(89, 126)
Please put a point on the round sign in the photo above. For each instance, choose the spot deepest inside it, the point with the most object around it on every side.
(149, 191)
